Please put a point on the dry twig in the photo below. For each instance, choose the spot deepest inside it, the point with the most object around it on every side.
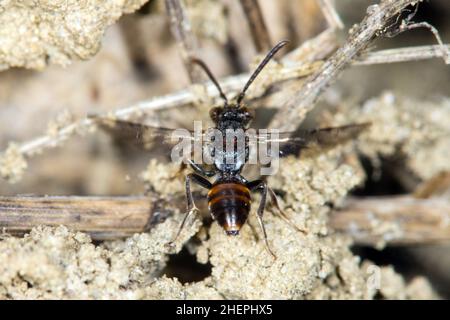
(182, 31)
(258, 28)
(393, 220)
(401, 55)
(436, 186)
(361, 36)
(407, 25)
(331, 15)
(102, 217)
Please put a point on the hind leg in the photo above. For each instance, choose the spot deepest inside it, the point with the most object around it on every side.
(191, 207)
(281, 213)
(262, 185)
(259, 185)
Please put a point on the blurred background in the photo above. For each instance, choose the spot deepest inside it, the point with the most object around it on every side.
(139, 59)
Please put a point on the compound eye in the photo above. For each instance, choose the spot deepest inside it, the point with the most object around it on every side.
(214, 113)
(248, 114)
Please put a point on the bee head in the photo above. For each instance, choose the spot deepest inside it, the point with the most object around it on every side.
(241, 116)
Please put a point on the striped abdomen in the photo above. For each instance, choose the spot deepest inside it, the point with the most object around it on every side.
(229, 204)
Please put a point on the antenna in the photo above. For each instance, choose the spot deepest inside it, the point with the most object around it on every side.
(261, 66)
(205, 68)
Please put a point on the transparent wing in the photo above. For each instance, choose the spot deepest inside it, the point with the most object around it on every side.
(315, 141)
(142, 135)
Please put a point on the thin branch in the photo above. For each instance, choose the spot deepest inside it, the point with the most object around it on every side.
(102, 217)
(136, 46)
(400, 220)
(331, 15)
(258, 29)
(317, 48)
(443, 48)
(182, 31)
(177, 99)
(393, 220)
(38, 144)
(407, 25)
(402, 55)
(361, 36)
(438, 185)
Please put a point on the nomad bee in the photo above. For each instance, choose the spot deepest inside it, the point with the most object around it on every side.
(229, 195)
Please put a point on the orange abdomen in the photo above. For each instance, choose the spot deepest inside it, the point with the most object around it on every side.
(229, 204)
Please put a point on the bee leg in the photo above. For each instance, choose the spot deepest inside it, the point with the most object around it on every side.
(191, 207)
(178, 174)
(197, 168)
(260, 185)
(200, 170)
(184, 165)
(282, 214)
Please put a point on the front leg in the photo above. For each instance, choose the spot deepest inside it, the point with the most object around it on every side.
(196, 167)
(191, 207)
(200, 170)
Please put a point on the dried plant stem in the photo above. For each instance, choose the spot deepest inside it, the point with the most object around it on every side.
(393, 220)
(331, 15)
(182, 31)
(102, 217)
(438, 185)
(37, 145)
(406, 26)
(444, 50)
(361, 36)
(402, 55)
(136, 45)
(317, 48)
(258, 29)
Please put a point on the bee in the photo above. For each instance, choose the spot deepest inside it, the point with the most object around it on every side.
(230, 193)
